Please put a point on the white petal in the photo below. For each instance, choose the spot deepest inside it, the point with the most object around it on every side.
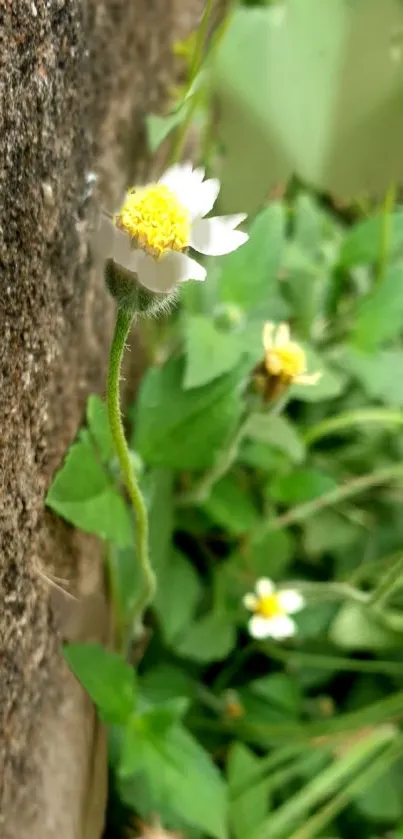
(308, 378)
(163, 275)
(123, 252)
(268, 330)
(200, 172)
(250, 602)
(281, 627)
(282, 336)
(196, 195)
(273, 363)
(264, 587)
(233, 221)
(191, 269)
(206, 197)
(290, 600)
(176, 176)
(259, 627)
(213, 237)
(103, 238)
(160, 276)
(179, 179)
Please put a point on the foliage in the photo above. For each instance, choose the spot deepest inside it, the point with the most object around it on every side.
(220, 735)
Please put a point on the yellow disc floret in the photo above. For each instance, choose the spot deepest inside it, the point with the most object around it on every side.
(155, 220)
(287, 361)
(268, 606)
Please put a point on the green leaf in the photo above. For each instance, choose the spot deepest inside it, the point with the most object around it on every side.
(330, 385)
(182, 777)
(382, 799)
(304, 287)
(261, 457)
(300, 485)
(209, 351)
(158, 128)
(266, 555)
(315, 620)
(178, 593)
(277, 432)
(261, 555)
(230, 505)
(209, 639)
(356, 628)
(184, 429)
(158, 719)
(379, 316)
(380, 375)
(310, 223)
(97, 419)
(84, 495)
(107, 677)
(349, 100)
(363, 243)
(166, 681)
(249, 808)
(279, 690)
(153, 724)
(248, 275)
(328, 531)
(270, 700)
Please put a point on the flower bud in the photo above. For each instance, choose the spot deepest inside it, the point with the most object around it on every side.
(133, 297)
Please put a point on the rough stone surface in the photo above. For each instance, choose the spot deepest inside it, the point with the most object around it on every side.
(76, 79)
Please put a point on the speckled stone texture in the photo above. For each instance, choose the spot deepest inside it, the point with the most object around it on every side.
(76, 79)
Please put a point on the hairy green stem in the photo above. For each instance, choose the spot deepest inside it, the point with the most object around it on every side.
(124, 320)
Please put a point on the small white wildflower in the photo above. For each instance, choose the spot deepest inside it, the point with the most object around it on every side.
(284, 358)
(155, 226)
(272, 610)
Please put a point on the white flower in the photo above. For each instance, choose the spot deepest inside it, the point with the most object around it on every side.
(156, 224)
(271, 610)
(284, 358)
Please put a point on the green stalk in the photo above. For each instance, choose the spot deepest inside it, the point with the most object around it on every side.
(392, 580)
(386, 231)
(222, 465)
(363, 781)
(327, 783)
(335, 496)
(196, 63)
(297, 659)
(383, 416)
(124, 320)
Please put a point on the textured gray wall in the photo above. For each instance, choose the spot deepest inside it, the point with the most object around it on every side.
(76, 79)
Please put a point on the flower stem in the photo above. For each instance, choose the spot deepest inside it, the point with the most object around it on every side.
(124, 320)
(392, 580)
(221, 466)
(386, 231)
(195, 66)
(335, 496)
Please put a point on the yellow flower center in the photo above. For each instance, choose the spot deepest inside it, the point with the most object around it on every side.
(155, 220)
(288, 361)
(269, 606)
